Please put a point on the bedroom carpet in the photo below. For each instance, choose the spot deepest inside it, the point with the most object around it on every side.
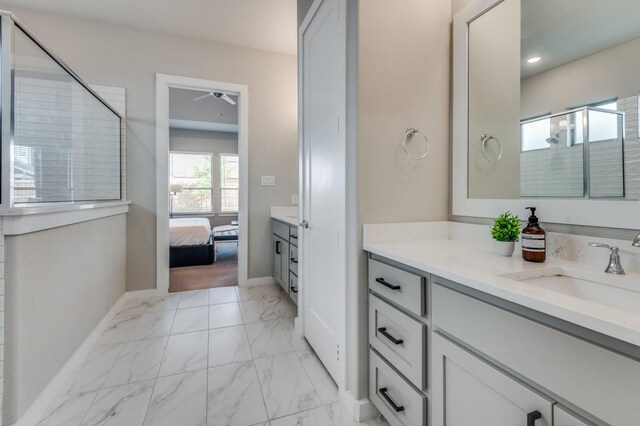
(222, 273)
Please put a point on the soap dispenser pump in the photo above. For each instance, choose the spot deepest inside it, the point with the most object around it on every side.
(534, 240)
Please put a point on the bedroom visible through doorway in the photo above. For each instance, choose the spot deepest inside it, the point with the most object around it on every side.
(204, 190)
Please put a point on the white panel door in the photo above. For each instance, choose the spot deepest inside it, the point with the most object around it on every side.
(324, 182)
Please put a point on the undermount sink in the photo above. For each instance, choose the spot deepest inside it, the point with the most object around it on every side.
(621, 292)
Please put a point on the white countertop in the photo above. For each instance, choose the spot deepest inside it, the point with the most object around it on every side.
(440, 251)
(288, 215)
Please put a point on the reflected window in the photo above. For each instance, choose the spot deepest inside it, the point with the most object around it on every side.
(603, 126)
(535, 133)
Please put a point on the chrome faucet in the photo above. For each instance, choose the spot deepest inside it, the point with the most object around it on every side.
(636, 241)
(614, 267)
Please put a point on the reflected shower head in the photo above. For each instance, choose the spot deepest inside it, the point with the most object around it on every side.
(554, 139)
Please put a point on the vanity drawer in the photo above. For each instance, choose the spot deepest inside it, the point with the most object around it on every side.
(404, 288)
(396, 399)
(293, 235)
(400, 339)
(293, 288)
(280, 229)
(293, 259)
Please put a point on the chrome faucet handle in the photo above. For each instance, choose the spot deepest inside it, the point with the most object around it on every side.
(636, 241)
(614, 267)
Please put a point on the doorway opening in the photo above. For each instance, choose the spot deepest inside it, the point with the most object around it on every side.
(201, 191)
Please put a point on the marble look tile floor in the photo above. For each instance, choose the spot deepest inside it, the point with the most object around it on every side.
(217, 357)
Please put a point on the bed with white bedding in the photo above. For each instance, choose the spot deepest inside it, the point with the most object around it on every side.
(189, 231)
(190, 242)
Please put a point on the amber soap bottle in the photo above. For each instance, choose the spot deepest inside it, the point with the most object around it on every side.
(534, 240)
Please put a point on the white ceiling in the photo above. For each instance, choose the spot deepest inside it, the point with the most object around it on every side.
(562, 31)
(183, 106)
(262, 24)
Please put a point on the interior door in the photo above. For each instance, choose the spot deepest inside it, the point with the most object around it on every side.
(324, 182)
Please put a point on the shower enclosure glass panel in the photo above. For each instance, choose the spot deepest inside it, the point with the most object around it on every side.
(66, 140)
(579, 153)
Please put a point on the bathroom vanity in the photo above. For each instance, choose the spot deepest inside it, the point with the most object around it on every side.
(284, 238)
(461, 336)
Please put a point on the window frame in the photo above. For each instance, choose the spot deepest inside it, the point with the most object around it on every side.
(210, 212)
(222, 188)
(597, 105)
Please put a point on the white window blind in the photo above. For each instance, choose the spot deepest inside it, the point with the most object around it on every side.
(67, 142)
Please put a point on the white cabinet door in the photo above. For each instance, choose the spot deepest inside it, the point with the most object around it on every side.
(564, 417)
(323, 275)
(468, 391)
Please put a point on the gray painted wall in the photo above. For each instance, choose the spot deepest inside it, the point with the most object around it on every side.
(59, 285)
(124, 57)
(403, 81)
(203, 141)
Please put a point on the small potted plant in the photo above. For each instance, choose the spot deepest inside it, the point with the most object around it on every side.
(506, 231)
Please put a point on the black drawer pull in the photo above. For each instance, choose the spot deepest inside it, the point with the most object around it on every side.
(383, 331)
(295, 237)
(532, 417)
(293, 289)
(383, 392)
(278, 247)
(294, 260)
(386, 284)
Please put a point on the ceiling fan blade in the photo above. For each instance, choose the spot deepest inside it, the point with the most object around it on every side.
(203, 96)
(228, 99)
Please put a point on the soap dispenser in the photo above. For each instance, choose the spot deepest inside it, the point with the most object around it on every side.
(534, 240)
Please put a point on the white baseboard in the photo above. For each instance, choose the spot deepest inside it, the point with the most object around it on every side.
(361, 410)
(258, 281)
(38, 407)
(139, 294)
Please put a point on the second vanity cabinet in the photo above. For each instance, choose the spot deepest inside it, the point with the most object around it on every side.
(285, 257)
(443, 354)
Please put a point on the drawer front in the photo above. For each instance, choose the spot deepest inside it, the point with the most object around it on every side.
(396, 399)
(400, 339)
(293, 259)
(293, 288)
(280, 229)
(293, 235)
(404, 288)
(564, 417)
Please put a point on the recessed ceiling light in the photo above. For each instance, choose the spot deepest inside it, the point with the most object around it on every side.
(534, 59)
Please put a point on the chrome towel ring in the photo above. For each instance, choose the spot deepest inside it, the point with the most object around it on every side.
(485, 140)
(408, 135)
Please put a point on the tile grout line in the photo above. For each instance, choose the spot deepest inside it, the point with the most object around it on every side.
(146, 413)
(255, 367)
(206, 395)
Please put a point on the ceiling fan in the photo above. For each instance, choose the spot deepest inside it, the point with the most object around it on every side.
(218, 95)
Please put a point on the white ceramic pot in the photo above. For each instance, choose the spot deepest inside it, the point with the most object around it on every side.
(504, 248)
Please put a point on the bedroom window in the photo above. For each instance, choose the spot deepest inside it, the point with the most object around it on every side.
(229, 189)
(192, 173)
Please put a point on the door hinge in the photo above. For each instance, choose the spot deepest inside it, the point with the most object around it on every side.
(338, 125)
(338, 352)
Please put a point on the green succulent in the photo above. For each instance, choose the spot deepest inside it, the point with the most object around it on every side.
(506, 227)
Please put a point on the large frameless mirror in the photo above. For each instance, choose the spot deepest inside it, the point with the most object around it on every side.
(553, 100)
